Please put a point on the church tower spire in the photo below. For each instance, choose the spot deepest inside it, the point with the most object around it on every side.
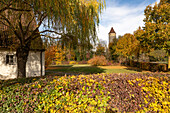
(112, 35)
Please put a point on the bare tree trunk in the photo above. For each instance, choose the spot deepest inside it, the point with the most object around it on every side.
(22, 56)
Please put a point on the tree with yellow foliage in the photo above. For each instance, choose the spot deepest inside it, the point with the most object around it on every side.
(157, 27)
(59, 54)
(139, 35)
(127, 45)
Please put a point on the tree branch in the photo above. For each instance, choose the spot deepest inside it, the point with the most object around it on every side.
(14, 9)
(36, 29)
(11, 26)
(5, 8)
(20, 25)
(51, 32)
(43, 16)
(45, 36)
(4, 24)
(27, 28)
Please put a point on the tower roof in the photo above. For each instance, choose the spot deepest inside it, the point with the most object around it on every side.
(112, 30)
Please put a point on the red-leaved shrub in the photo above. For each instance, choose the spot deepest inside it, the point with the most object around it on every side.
(98, 61)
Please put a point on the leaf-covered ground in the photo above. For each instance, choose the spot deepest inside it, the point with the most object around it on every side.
(87, 93)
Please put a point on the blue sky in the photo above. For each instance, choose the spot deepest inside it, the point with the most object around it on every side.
(125, 16)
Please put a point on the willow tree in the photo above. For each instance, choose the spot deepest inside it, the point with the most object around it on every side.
(157, 27)
(23, 18)
(84, 33)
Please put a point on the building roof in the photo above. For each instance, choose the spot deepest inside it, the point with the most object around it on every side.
(112, 30)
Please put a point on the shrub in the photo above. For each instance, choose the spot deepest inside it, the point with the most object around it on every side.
(72, 62)
(109, 63)
(65, 62)
(145, 65)
(150, 66)
(98, 61)
(82, 62)
(58, 62)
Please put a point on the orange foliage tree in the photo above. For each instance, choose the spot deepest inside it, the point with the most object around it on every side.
(59, 54)
(49, 56)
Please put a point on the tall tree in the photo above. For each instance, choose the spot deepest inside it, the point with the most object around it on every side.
(127, 45)
(139, 35)
(23, 18)
(49, 55)
(101, 48)
(112, 49)
(157, 27)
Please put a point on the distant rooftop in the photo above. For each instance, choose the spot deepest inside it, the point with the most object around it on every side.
(112, 30)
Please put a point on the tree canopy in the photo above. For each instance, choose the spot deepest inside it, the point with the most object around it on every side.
(127, 45)
(101, 48)
(72, 18)
(156, 33)
(157, 26)
(77, 18)
(112, 48)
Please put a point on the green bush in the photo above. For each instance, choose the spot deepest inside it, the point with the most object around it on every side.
(98, 61)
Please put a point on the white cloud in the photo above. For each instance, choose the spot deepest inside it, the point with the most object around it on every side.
(124, 19)
(154, 2)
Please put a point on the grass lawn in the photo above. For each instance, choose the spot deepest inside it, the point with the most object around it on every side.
(75, 69)
(88, 69)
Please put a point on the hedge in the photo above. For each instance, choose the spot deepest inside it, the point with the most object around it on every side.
(149, 66)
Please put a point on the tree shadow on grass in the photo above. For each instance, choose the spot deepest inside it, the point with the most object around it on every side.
(76, 70)
(134, 69)
(21, 81)
(55, 66)
(63, 70)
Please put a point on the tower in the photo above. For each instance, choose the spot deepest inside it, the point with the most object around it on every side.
(112, 35)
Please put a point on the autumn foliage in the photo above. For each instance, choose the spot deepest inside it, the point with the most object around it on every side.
(96, 93)
(127, 45)
(98, 61)
(156, 30)
(49, 56)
